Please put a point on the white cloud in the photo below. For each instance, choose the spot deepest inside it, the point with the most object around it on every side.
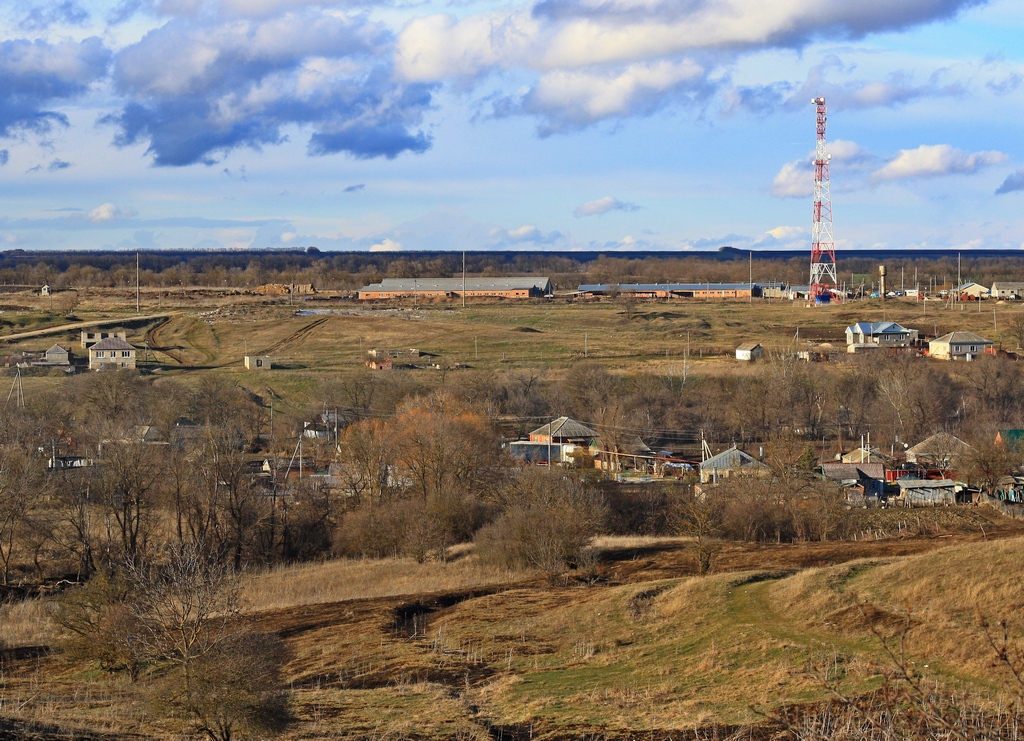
(110, 212)
(935, 160)
(572, 34)
(603, 205)
(794, 180)
(386, 245)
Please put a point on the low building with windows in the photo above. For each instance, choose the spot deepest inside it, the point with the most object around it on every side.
(1007, 290)
(883, 334)
(111, 353)
(958, 346)
(433, 288)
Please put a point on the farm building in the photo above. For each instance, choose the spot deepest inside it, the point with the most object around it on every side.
(673, 290)
(972, 291)
(958, 345)
(749, 351)
(1006, 289)
(390, 288)
(886, 334)
(113, 352)
(257, 362)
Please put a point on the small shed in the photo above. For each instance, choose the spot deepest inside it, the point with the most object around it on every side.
(257, 362)
(927, 492)
(749, 351)
(58, 355)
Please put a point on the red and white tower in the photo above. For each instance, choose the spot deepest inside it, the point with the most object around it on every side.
(823, 247)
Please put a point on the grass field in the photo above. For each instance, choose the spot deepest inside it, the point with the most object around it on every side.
(455, 651)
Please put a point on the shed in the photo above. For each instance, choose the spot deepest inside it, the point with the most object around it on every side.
(927, 492)
(58, 355)
(258, 362)
(749, 351)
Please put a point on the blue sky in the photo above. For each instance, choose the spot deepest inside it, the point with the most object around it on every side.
(552, 124)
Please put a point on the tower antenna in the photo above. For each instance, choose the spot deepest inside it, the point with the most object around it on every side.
(823, 246)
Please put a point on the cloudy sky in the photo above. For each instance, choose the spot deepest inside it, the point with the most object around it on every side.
(469, 124)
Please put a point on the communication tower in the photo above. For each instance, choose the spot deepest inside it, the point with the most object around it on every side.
(823, 247)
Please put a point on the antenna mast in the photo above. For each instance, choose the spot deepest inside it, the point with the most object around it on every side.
(823, 247)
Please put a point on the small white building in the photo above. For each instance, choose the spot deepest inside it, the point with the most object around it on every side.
(749, 351)
(257, 362)
(112, 352)
(958, 346)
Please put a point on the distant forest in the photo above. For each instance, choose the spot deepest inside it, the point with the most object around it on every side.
(350, 270)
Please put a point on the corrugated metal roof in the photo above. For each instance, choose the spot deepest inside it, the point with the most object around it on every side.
(909, 483)
(841, 471)
(873, 328)
(748, 346)
(565, 427)
(941, 443)
(730, 459)
(455, 284)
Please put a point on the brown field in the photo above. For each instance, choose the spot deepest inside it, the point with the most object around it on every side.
(394, 649)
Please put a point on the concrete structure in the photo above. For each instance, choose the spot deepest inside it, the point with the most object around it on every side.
(958, 345)
(285, 289)
(883, 334)
(257, 362)
(519, 287)
(749, 351)
(1007, 290)
(110, 353)
(91, 338)
(716, 291)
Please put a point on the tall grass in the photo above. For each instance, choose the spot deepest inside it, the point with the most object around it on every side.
(26, 623)
(347, 579)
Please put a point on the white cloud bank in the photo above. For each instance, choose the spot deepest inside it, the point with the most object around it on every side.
(601, 206)
(935, 160)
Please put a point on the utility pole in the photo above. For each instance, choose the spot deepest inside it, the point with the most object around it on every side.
(138, 303)
(463, 279)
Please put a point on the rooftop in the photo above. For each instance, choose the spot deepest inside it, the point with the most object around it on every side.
(112, 343)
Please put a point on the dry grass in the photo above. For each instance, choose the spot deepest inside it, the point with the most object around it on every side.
(614, 542)
(348, 579)
(26, 623)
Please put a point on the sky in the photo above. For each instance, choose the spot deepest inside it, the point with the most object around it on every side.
(610, 125)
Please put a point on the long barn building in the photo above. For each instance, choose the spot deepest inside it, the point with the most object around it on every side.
(675, 290)
(391, 288)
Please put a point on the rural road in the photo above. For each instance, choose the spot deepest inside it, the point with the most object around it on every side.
(84, 325)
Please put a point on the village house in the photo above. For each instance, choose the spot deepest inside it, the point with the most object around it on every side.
(731, 462)
(940, 452)
(868, 479)
(1007, 290)
(958, 345)
(749, 351)
(554, 443)
(111, 353)
(883, 334)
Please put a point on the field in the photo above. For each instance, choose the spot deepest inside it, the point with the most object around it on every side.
(316, 338)
(644, 649)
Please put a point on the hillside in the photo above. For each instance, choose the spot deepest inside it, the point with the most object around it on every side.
(509, 656)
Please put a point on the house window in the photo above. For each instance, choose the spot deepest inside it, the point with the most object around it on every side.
(99, 353)
(126, 354)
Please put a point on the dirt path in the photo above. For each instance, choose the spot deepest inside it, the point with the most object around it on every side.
(83, 325)
(293, 337)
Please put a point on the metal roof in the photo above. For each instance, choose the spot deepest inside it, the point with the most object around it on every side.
(638, 287)
(456, 284)
(729, 459)
(967, 338)
(941, 443)
(873, 328)
(908, 483)
(842, 471)
(748, 346)
(111, 343)
(565, 427)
